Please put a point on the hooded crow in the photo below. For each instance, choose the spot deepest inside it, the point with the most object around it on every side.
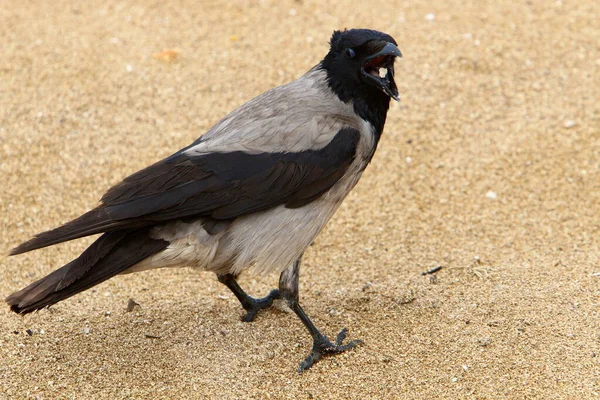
(252, 193)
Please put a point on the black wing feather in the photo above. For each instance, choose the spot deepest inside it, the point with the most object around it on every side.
(216, 185)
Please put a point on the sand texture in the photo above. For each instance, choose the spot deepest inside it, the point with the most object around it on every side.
(489, 167)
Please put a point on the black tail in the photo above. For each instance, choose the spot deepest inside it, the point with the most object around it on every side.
(90, 223)
(111, 254)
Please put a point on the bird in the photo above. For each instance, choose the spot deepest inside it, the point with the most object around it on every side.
(249, 195)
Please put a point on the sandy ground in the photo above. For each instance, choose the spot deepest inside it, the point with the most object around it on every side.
(489, 167)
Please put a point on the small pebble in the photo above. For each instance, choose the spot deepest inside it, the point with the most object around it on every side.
(569, 123)
(430, 17)
(132, 305)
(169, 56)
(86, 330)
(491, 195)
(149, 336)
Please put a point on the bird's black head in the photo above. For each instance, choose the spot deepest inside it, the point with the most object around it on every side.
(360, 68)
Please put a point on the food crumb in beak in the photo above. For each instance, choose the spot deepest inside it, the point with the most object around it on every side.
(383, 72)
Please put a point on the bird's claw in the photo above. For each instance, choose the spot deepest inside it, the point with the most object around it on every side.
(253, 306)
(323, 347)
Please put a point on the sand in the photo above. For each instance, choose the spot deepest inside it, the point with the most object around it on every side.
(489, 167)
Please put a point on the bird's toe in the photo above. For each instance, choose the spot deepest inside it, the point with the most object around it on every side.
(253, 306)
(323, 347)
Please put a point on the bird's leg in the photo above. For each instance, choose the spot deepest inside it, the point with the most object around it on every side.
(251, 305)
(288, 288)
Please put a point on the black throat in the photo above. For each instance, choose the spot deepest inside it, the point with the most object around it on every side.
(369, 103)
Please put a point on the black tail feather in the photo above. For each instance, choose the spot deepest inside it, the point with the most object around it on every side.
(90, 223)
(111, 254)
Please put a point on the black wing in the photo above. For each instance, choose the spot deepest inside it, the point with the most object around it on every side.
(216, 185)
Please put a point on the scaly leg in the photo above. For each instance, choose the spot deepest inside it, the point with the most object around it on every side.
(288, 289)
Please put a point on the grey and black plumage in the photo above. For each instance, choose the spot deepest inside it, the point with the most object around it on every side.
(250, 194)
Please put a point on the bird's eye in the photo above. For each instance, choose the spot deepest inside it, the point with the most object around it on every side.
(350, 53)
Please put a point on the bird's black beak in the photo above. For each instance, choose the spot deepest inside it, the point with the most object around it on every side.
(379, 68)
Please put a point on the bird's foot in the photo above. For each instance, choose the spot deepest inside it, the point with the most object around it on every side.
(253, 306)
(323, 347)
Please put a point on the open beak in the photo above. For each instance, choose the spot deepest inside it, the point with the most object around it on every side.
(379, 69)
